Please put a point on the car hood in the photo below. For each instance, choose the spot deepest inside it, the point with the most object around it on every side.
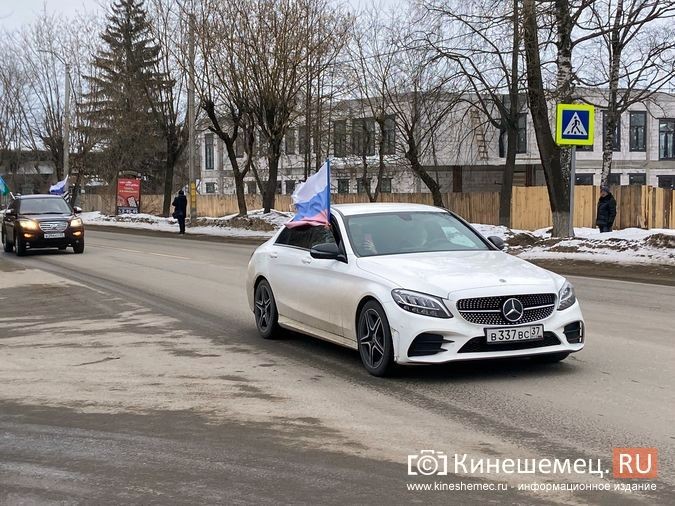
(445, 273)
(46, 217)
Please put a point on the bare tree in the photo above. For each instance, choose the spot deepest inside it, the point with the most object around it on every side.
(277, 40)
(632, 59)
(483, 38)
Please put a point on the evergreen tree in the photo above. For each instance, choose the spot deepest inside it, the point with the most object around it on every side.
(126, 88)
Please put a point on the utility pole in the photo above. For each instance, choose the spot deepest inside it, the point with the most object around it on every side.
(66, 125)
(191, 119)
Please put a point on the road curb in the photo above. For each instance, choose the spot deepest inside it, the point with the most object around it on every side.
(254, 240)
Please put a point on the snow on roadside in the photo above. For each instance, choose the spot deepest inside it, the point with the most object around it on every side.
(628, 246)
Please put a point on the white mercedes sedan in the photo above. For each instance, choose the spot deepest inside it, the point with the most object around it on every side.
(410, 284)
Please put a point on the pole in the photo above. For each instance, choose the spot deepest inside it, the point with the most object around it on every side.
(66, 126)
(191, 120)
(573, 170)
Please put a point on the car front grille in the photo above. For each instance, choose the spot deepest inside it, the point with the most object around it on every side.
(480, 345)
(53, 226)
(488, 310)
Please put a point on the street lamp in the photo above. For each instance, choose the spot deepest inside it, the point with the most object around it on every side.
(66, 113)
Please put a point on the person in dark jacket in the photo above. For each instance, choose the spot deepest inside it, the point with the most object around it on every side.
(180, 211)
(606, 210)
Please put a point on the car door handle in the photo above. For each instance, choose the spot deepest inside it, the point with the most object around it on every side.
(274, 254)
(306, 260)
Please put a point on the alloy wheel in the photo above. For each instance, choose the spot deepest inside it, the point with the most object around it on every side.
(263, 307)
(372, 338)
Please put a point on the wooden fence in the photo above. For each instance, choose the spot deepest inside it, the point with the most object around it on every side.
(637, 206)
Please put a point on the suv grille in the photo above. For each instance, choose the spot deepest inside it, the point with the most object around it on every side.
(488, 310)
(53, 226)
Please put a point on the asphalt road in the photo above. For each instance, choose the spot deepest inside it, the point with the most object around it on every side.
(133, 373)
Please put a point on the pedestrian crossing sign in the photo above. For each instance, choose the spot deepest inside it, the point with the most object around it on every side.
(574, 125)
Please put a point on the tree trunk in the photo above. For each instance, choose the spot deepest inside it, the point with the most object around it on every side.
(612, 115)
(168, 183)
(549, 152)
(269, 196)
(412, 154)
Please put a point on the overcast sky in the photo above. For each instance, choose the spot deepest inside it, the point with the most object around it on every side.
(14, 13)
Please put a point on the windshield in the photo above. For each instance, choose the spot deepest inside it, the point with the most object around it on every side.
(44, 206)
(416, 232)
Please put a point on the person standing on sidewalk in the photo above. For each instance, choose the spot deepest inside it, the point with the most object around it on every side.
(180, 211)
(606, 210)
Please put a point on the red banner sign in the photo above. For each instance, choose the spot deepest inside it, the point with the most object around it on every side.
(128, 196)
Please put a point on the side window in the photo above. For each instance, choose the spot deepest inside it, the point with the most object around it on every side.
(297, 237)
(321, 235)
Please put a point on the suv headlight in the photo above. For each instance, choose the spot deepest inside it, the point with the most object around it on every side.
(28, 224)
(566, 296)
(420, 303)
(76, 222)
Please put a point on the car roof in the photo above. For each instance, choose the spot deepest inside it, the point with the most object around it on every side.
(383, 207)
(37, 196)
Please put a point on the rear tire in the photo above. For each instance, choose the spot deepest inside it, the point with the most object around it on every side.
(373, 336)
(7, 246)
(78, 247)
(19, 245)
(550, 358)
(265, 311)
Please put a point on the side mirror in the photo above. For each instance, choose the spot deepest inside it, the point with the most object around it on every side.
(497, 241)
(10, 212)
(326, 251)
(77, 210)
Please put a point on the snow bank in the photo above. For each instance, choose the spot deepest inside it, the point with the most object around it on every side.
(628, 246)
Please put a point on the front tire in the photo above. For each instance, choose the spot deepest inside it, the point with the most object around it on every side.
(374, 339)
(78, 247)
(7, 246)
(265, 311)
(19, 245)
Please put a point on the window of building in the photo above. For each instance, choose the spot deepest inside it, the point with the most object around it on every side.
(303, 140)
(667, 139)
(616, 143)
(363, 136)
(343, 185)
(637, 179)
(289, 146)
(252, 187)
(290, 187)
(210, 187)
(389, 136)
(521, 140)
(385, 185)
(666, 182)
(278, 188)
(638, 126)
(208, 151)
(584, 179)
(360, 188)
(340, 138)
(614, 179)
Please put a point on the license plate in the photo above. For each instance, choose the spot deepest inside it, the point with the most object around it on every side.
(511, 334)
(55, 236)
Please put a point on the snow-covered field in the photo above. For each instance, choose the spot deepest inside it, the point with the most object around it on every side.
(628, 246)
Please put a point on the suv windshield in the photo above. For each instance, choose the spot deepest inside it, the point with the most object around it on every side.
(44, 206)
(413, 232)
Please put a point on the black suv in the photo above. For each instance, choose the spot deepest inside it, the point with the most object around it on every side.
(41, 221)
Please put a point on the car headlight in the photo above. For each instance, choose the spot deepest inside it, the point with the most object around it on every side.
(420, 303)
(566, 296)
(76, 222)
(28, 225)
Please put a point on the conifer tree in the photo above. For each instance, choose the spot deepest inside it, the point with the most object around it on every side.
(126, 88)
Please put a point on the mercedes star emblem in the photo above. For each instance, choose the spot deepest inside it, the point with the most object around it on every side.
(512, 310)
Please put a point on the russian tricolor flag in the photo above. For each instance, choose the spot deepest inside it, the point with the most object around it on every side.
(312, 200)
(59, 188)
